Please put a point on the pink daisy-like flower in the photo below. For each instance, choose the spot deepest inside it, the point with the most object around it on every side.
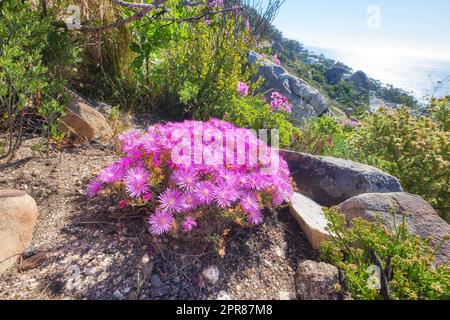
(147, 196)
(136, 182)
(242, 88)
(249, 202)
(188, 202)
(170, 201)
(185, 179)
(254, 217)
(160, 222)
(94, 188)
(204, 192)
(111, 174)
(225, 195)
(189, 224)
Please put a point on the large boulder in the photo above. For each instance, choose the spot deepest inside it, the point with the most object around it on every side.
(360, 80)
(306, 101)
(18, 214)
(85, 123)
(311, 219)
(317, 281)
(330, 181)
(335, 75)
(421, 218)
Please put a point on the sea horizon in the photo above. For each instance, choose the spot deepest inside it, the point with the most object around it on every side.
(416, 75)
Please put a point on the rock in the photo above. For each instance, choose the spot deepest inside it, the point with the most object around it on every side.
(421, 219)
(317, 281)
(85, 123)
(223, 296)
(18, 214)
(330, 181)
(284, 296)
(335, 75)
(306, 101)
(310, 217)
(211, 274)
(360, 80)
(156, 281)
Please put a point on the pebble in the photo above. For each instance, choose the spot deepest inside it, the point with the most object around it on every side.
(117, 294)
(223, 296)
(283, 295)
(211, 274)
(156, 280)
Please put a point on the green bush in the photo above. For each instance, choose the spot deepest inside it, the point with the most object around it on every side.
(28, 88)
(414, 149)
(199, 69)
(406, 261)
(440, 112)
(323, 136)
(253, 113)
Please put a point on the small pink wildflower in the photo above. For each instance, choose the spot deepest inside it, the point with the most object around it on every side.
(170, 201)
(189, 224)
(242, 88)
(123, 204)
(160, 222)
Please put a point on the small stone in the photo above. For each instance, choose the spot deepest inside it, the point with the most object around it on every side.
(145, 259)
(156, 281)
(211, 274)
(223, 296)
(117, 294)
(283, 295)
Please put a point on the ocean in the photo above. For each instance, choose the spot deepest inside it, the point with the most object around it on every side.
(418, 76)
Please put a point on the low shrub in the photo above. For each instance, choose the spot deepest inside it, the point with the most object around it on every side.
(414, 149)
(192, 180)
(405, 262)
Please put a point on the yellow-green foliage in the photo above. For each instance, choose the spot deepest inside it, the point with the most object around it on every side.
(253, 113)
(414, 149)
(407, 260)
(202, 65)
(440, 111)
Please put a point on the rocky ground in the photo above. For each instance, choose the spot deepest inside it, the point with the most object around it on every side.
(89, 249)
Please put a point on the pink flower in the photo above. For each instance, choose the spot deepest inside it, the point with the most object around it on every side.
(123, 204)
(147, 196)
(94, 188)
(249, 202)
(136, 182)
(189, 224)
(208, 22)
(280, 102)
(276, 60)
(170, 201)
(160, 222)
(185, 179)
(225, 195)
(111, 174)
(188, 202)
(255, 217)
(242, 88)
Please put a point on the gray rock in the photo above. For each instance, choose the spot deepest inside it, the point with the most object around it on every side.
(306, 101)
(360, 80)
(317, 281)
(156, 281)
(330, 181)
(421, 218)
(211, 274)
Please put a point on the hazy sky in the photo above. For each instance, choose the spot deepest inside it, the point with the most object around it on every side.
(404, 27)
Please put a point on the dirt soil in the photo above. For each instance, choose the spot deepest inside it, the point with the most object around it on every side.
(89, 249)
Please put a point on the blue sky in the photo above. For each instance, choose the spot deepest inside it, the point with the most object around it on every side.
(413, 27)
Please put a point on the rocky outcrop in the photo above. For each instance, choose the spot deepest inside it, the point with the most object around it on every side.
(335, 75)
(421, 218)
(18, 214)
(311, 219)
(84, 123)
(331, 181)
(306, 101)
(317, 281)
(360, 80)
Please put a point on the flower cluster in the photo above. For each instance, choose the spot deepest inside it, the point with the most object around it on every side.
(276, 60)
(280, 102)
(213, 4)
(242, 88)
(182, 170)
